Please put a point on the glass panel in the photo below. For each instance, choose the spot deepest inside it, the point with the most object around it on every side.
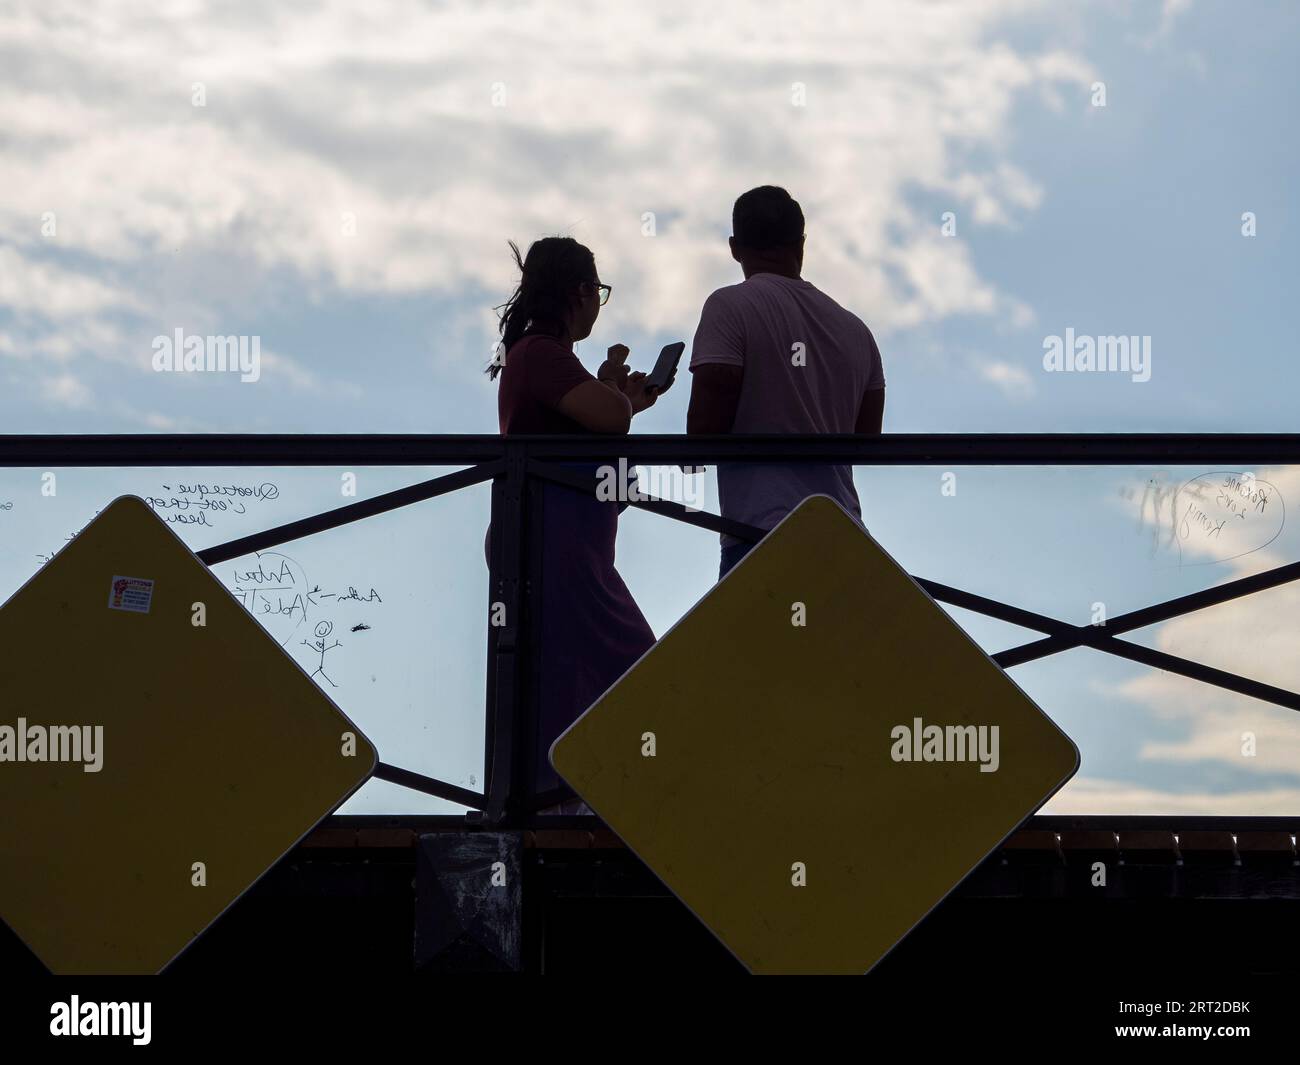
(397, 599)
(1081, 544)
(405, 594)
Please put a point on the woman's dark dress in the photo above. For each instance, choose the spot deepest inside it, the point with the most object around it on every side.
(590, 626)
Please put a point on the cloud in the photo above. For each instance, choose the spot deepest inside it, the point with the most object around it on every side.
(30, 286)
(1170, 11)
(278, 366)
(162, 423)
(66, 391)
(1012, 381)
(1093, 796)
(361, 152)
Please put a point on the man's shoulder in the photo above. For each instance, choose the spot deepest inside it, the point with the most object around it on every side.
(832, 303)
(755, 292)
(763, 289)
(829, 306)
(727, 295)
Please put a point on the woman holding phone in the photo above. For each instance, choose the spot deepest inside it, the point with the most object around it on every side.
(590, 627)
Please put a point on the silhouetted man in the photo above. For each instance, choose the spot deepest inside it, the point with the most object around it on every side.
(774, 354)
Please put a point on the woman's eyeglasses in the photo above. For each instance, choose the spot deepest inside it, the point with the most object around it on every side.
(603, 292)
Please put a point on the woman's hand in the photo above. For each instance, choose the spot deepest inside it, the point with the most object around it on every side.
(640, 396)
(613, 371)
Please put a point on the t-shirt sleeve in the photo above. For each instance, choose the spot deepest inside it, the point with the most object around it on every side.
(876, 371)
(720, 336)
(553, 371)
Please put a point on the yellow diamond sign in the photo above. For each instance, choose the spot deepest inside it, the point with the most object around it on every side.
(159, 751)
(816, 754)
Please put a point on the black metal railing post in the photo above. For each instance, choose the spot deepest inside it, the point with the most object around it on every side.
(528, 738)
(508, 644)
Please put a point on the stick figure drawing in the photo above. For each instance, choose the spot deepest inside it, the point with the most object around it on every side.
(323, 631)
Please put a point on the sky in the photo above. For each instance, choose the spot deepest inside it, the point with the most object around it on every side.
(339, 181)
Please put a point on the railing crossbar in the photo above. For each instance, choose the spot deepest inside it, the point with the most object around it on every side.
(345, 515)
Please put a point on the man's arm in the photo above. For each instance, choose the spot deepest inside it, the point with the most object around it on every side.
(715, 394)
(871, 415)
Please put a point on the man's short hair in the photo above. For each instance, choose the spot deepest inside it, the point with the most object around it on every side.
(767, 218)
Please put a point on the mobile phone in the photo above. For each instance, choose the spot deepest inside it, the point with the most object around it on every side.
(665, 366)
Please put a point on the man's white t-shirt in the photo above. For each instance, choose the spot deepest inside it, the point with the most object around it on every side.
(807, 362)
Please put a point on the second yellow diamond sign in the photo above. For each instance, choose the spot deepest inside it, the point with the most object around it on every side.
(816, 754)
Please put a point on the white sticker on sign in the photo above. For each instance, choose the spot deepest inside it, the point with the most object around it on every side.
(131, 593)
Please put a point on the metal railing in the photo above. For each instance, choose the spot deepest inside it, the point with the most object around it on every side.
(519, 466)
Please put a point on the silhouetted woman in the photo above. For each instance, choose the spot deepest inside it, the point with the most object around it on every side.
(590, 627)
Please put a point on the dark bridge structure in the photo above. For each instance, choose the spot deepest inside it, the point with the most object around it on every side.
(1184, 897)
